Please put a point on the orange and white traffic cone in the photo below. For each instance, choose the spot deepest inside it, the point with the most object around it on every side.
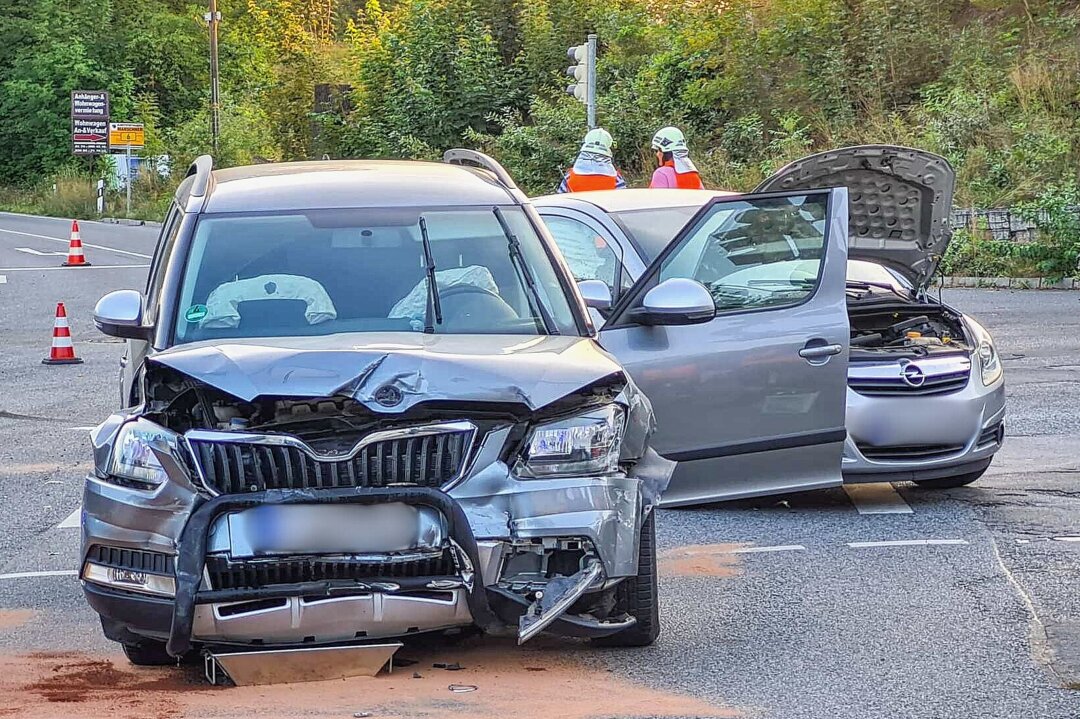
(62, 351)
(76, 258)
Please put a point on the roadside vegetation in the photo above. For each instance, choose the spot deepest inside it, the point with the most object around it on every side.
(993, 85)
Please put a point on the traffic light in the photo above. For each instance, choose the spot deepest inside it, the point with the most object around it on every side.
(580, 72)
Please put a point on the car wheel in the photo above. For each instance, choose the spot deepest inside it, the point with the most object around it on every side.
(148, 653)
(637, 596)
(959, 480)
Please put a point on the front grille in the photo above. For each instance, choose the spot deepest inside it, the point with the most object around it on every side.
(254, 574)
(426, 457)
(909, 453)
(133, 559)
(924, 377)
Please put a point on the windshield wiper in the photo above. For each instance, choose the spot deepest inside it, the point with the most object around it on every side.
(434, 307)
(535, 305)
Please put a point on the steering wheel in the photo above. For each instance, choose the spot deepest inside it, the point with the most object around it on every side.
(472, 306)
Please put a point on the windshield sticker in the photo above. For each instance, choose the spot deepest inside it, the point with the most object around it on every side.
(195, 313)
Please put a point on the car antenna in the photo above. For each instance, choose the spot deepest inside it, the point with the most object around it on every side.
(434, 306)
(535, 305)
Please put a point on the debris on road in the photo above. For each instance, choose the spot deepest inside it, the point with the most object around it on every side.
(462, 688)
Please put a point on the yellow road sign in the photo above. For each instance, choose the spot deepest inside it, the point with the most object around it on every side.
(126, 134)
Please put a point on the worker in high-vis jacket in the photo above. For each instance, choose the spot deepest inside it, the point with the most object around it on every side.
(594, 168)
(676, 169)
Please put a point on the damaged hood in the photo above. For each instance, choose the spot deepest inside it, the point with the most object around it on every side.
(900, 200)
(391, 372)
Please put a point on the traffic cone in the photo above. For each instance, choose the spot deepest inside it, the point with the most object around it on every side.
(62, 351)
(76, 258)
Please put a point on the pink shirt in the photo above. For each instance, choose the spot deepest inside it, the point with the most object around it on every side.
(664, 177)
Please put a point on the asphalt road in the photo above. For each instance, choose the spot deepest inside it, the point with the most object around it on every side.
(768, 608)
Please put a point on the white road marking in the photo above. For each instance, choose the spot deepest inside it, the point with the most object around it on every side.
(29, 575)
(85, 267)
(906, 543)
(73, 520)
(85, 244)
(80, 429)
(778, 548)
(3, 279)
(877, 498)
(39, 253)
(1067, 539)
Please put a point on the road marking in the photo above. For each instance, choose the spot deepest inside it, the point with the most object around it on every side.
(85, 244)
(73, 520)
(877, 498)
(1067, 539)
(39, 253)
(80, 429)
(906, 543)
(3, 279)
(29, 575)
(83, 267)
(777, 548)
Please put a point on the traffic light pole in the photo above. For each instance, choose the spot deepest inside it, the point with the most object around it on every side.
(591, 65)
(213, 18)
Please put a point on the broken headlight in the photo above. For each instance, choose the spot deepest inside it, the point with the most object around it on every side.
(132, 457)
(586, 444)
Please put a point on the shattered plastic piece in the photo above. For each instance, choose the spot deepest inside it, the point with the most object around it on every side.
(462, 688)
(552, 603)
(417, 675)
(455, 667)
(361, 715)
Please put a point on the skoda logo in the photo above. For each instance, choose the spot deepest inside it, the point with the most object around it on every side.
(912, 375)
(388, 395)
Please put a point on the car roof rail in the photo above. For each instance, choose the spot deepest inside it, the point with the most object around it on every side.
(461, 156)
(201, 168)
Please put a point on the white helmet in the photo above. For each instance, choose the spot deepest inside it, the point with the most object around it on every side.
(669, 139)
(598, 141)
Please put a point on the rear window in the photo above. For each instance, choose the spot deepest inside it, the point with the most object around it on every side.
(363, 270)
(652, 230)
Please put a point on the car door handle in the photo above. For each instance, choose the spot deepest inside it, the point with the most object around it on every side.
(820, 351)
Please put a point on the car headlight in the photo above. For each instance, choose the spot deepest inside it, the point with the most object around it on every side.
(587, 444)
(989, 361)
(132, 456)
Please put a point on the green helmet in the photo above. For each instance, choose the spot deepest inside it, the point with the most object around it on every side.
(598, 141)
(668, 139)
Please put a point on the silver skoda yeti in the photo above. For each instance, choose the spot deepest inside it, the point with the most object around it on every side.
(362, 400)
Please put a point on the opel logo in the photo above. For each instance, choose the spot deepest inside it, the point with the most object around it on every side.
(912, 375)
(388, 395)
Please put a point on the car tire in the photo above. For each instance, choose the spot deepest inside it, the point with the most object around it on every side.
(638, 596)
(148, 653)
(959, 480)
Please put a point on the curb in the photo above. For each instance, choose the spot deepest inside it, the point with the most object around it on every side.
(134, 223)
(1011, 283)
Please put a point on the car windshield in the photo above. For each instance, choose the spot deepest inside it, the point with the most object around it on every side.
(323, 272)
(874, 275)
(653, 229)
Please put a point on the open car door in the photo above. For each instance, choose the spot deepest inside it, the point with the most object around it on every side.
(738, 334)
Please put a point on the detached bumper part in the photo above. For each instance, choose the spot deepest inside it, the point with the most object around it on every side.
(551, 603)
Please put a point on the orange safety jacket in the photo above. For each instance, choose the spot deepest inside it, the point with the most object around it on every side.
(584, 183)
(685, 180)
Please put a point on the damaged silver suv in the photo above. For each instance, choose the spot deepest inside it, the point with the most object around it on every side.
(364, 400)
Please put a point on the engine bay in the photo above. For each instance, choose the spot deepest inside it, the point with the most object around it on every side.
(906, 330)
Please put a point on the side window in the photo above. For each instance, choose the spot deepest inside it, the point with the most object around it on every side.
(589, 255)
(755, 253)
(170, 229)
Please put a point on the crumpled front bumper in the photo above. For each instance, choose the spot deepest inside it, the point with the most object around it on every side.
(488, 514)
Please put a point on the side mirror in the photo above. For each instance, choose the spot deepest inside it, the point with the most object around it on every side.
(120, 314)
(677, 301)
(596, 294)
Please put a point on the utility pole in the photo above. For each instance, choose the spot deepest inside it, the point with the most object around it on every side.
(213, 18)
(591, 64)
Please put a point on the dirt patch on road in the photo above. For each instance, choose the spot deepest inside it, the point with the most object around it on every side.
(701, 560)
(13, 618)
(527, 683)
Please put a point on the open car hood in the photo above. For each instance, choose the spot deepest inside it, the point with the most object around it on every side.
(393, 371)
(900, 200)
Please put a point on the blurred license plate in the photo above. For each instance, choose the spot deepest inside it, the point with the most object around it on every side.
(325, 529)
